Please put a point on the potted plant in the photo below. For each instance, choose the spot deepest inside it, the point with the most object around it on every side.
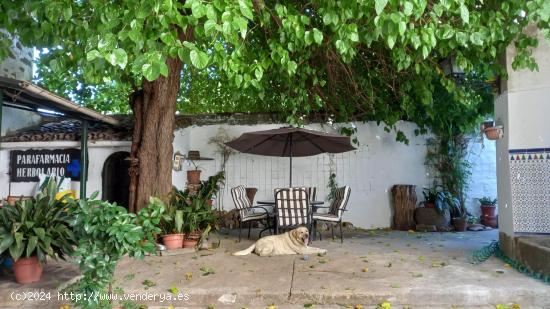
(171, 226)
(459, 215)
(488, 206)
(430, 196)
(194, 176)
(33, 229)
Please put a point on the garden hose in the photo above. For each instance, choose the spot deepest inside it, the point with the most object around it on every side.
(483, 254)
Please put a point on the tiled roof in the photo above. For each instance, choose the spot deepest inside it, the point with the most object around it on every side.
(69, 130)
(58, 129)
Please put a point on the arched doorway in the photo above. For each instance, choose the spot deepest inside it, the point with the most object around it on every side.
(116, 179)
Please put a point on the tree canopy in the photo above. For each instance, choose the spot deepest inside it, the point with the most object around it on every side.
(374, 60)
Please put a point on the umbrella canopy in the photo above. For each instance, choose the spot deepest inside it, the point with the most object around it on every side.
(291, 142)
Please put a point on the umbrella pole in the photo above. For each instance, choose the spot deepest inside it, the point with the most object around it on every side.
(290, 160)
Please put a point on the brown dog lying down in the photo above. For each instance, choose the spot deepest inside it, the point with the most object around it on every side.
(291, 242)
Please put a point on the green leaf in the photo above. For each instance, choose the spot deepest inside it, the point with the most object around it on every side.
(477, 38)
(118, 58)
(407, 8)
(244, 6)
(259, 72)
(199, 59)
(198, 9)
(92, 54)
(150, 71)
(209, 26)
(379, 6)
(391, 41)
(317, 36)
(242, 24)
(31, 245)
(68, 13)
(415, 40)
(40, 232)
(464, 13)
(425, 52)
(6, 242)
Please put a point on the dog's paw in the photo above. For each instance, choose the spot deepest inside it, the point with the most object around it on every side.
(323, 252)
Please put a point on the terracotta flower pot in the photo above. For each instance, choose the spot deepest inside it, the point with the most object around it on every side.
(27, 270)
(190, 243)
(429, 205)
(488, 210)
(194, 176)
(490, 221)
(172, 241)
(460, 224)
(494, 133)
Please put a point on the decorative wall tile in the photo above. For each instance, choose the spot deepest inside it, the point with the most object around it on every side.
(530, 181)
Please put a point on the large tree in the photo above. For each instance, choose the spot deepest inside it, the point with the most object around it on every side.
(375, 60)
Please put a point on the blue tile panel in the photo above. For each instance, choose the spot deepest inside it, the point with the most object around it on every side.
(530, 184)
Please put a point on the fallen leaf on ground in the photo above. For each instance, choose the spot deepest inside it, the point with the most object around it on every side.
(365, 269)
(174, 290)
(148, 283)
(207, 270)
(188, 276)
(384, 305)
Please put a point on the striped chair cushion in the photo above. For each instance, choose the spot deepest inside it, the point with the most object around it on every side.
(242, 203)
(341, 197)
(311, 192)
(325, 217)
(292, 206)
(252, 214)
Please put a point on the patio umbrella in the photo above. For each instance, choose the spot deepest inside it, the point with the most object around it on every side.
(291, 142)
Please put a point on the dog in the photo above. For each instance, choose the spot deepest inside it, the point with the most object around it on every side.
(291, 242)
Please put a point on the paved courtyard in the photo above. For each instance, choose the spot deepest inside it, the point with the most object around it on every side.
(410, 270)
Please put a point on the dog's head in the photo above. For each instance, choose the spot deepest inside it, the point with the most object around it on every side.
(301, 235)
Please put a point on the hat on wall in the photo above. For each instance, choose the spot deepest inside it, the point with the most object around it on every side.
(195, 155)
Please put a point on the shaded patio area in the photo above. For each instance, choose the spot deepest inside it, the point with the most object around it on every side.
(419, 270)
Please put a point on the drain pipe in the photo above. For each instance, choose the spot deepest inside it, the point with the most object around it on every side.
(83, 157)
(1, 108)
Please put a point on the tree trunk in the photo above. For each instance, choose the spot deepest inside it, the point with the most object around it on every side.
(151, 154)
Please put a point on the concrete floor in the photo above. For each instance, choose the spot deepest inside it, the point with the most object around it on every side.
(410, 270)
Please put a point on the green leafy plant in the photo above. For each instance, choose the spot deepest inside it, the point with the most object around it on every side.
(39, 226)
(172, 220)
(332, 186)
(106, 232)
(443, 201)
(487, 201)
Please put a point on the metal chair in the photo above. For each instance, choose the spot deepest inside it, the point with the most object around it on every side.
(292, 208)
(247, 212)
(336, 211)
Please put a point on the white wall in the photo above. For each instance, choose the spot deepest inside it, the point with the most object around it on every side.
(483, 181)
(97, 152)
(523, 110)
(379, 163)
(370, 171)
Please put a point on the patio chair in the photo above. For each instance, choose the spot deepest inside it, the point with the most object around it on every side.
(292, 208)
(247, 212)
(336, 211)
(311, 192)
